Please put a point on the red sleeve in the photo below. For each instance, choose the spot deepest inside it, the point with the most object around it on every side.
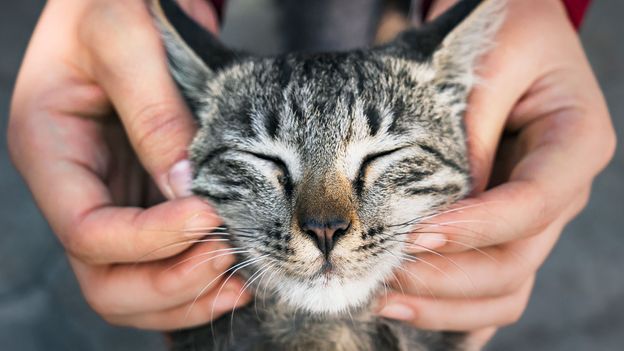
(576, 9)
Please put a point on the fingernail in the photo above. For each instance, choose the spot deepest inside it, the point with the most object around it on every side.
(228, 297)
(225, 300)
(397, 311)
(179, 179)
(427, 242)
(223, 261)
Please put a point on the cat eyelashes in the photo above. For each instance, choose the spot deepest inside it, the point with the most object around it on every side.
(368, 160)
(286, 181)
(284, 178)
(378, 155)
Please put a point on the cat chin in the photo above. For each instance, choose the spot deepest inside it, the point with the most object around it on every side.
(333, 295)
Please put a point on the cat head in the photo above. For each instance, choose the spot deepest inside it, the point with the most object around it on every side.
(320, 163)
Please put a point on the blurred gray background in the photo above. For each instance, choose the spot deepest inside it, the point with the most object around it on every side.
(578, 302)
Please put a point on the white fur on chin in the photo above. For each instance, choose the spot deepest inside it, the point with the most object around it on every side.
(334, 295)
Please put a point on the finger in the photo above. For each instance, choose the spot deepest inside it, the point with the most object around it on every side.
(506, 78)
(477, 339)
(157, 286)
(67, 185)
(202, 311)
(493, 218)
(458, 314)
(553, 136)
(553, 100)
(469, 274)
(202, 12)
(110, 234)
(488, 219)
(128, 60)
(66, 179)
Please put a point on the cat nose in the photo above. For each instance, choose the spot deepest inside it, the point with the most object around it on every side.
(325, 234)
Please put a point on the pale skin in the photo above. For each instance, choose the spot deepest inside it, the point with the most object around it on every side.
(538, 88)
(89, 57)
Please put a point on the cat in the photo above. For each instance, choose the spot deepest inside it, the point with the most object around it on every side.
(319, 165)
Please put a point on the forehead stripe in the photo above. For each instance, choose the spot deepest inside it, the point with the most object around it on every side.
(272, 123)
(284, 71)
(446, 161)
(210, 156)
(373, 119)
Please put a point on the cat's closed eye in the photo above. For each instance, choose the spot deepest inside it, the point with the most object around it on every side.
(282, 175)
(367, 162)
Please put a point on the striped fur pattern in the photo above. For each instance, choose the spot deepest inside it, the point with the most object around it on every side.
(372, 136)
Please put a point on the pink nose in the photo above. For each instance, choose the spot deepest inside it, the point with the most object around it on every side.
(326, 234)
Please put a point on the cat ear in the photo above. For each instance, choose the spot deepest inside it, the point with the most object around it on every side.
(454, 41)
(194, 54)
(471, 38)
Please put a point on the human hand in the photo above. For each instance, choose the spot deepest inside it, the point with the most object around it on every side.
(539, 93)
(93, 87)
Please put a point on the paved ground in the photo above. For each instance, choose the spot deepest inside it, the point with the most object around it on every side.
(577, 303)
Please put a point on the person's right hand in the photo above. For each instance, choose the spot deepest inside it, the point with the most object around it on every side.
(94, 93)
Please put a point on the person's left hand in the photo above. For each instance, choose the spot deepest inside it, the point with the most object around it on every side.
(474, 265)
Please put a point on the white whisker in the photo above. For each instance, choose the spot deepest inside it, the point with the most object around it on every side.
(232, 269)
(227, 251)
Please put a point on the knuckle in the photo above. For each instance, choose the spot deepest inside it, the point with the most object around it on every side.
(514, 314)
(98, 15)
(517, 305)
(518, 312)
(109, 31)
(511, 284)
(514, 275)
(585, 197)
(117, 320)
(600, 133)
(581, 201)
(76, 245)
(171, 282)
(97, 300)
(114, 320)
(540, 205)
(610, 145)
(110, 319)
(513, 317)
(19, 128)
(128, 15)
(79, 246)
(154, 123)
(14, 131)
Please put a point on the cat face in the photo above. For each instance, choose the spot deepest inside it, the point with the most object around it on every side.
(323, 158)
(318, 164)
